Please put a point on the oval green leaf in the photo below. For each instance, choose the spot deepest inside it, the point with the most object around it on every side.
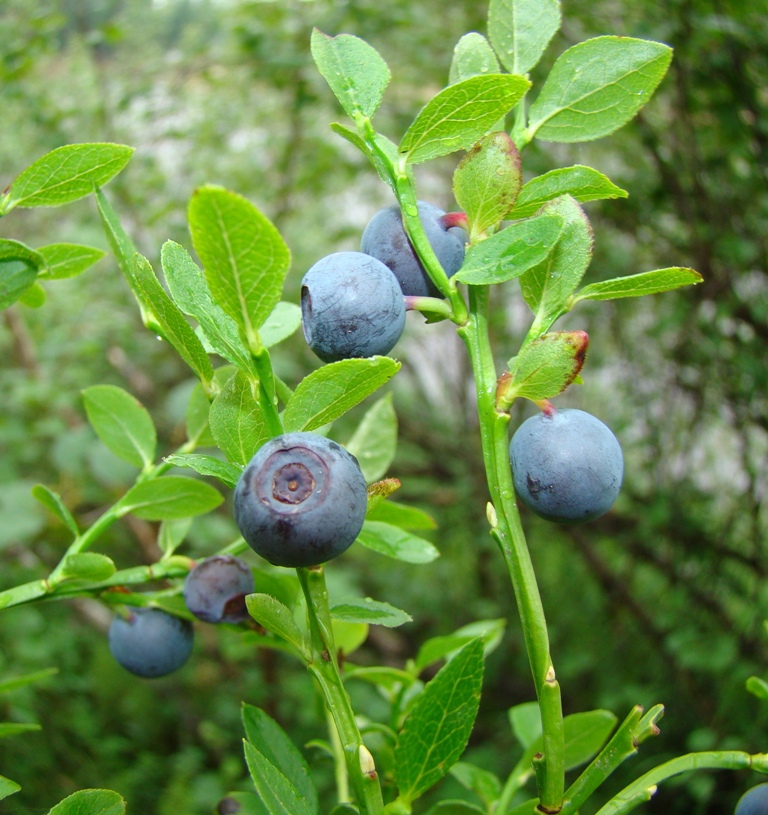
(66, 174)
(460, 115)
(122, 423)
(487, 181)
(472, 56)
(245, 258)
(396, 543)
(440, 722)
(236, 420)
(582, 183)
(90, 802)
(169, 497)
(330, 391)
(520, 31)
(512, 251)
(64, 260)
(368, 611)
(355, 71)
(597, 86)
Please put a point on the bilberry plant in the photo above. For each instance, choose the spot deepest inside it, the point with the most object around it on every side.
(301, 498)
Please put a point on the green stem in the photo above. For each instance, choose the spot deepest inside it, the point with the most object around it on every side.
(507, 531)
(339, 761)
(324, 667)
(622, 745)
(267, 391)
(645, 787)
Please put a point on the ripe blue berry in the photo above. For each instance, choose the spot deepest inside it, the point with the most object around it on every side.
(384, 238)
(301, 500)
(567, 466)
(151, 642)
(351, 306)
(754, 801)
(215, 589)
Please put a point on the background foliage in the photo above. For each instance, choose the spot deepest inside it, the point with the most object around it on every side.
(661, 600)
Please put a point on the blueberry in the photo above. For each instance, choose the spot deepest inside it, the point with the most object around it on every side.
(754, 801)
(351, 306)
(215, 589)
(301, 500)
(150, 642)
(567, 465)
(384, 238)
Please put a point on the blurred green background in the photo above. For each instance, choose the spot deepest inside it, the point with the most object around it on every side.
(661, 600)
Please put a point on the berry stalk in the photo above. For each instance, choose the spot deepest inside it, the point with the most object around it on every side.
(324, 666)
(507, 531)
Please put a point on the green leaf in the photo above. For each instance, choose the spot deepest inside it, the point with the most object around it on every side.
(16, 278)
(8, 685)
(390, 679)
(64, 260)
(52, 501)
(585, 734)
(278, 619)
(19, 267)
(445, 647)
(401, 515)
(345, 809)
(171, 535)
(198, 408)
(90, 802)
(480, 781)
(638, 285)
(546, 366)
(520, 31)
(460, 115)
(34, 296)
(512, 251)
(190, 291)
(87, 566)
(597, 86)
(487, 181)
(7, 787)
(172, 323)
(66, 174)
(227, 473)
(266, 735)
(757, 687)
(168, 498)
(440, 722)
(236, 420)
(245, 259)
(284, 319)
(525, 720)
(16, 250)
(371, 612)
(277, 793)
(582, 183)
(349, 636)
(547, 286)
(330, 391)
(382, 166)
(124, 250)
(396, 543)
(375, 440)
(122, 423)
(354, 70)
(472, 56)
